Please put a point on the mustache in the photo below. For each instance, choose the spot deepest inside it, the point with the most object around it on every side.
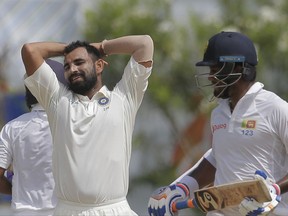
(76, 74)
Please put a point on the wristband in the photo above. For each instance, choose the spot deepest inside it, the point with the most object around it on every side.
(184, 187)
(101, 50)
(191, 183)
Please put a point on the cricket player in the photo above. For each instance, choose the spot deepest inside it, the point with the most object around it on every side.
(249, 128)
(26, 145)
(91, 125)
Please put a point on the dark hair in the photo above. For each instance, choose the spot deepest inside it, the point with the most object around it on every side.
(30, 99)
(92, 51)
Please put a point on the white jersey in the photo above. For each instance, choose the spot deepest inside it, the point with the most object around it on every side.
(254, 137)
(26, 143)
(92, 138)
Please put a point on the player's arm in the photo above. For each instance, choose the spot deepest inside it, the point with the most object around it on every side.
(141, 47)
(200, 175)
(283, 184)
(34, 54)
(203, 171)
(5, 185)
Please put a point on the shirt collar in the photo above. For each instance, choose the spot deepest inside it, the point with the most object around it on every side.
(253, 90)
(103, 92)
(37, 107)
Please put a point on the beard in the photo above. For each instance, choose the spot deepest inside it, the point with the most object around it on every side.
(82, 87)
(222, 92)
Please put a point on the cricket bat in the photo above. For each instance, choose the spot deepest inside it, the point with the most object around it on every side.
(226, 195)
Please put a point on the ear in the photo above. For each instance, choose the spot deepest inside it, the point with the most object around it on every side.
(99, 65)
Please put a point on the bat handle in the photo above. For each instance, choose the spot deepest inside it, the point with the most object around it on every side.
(190, 203)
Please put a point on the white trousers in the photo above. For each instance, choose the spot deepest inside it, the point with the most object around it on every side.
(33, 212)
(120, 208)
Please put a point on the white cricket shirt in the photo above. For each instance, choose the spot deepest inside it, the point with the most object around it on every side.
(254, 137)
(92, 138)
(27, 143)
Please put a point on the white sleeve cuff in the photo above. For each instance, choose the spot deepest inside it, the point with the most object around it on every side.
(210, 157)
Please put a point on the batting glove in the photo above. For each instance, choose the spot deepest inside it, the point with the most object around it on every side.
(250, 207)
(160, 202)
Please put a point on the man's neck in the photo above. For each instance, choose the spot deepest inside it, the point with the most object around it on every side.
(237, 91)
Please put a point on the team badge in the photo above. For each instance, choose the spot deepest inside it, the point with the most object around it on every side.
(103, 101)
(248, 124)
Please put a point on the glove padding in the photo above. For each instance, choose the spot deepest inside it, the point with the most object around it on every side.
(250, 207)
(160, 202)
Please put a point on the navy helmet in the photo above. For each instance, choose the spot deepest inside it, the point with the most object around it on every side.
(229, 47)
(227, 51)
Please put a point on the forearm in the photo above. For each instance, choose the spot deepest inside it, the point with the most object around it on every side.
(139, 46)
(200, 175)
(203, 171)
(5, 185)
(33, 54)
(283, 184)
(43, 49)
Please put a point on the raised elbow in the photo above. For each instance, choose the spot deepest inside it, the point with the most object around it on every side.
(26, 50)
(145, 53)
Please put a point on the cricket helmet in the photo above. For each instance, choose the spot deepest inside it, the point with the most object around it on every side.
(228, 51)
(229, 47)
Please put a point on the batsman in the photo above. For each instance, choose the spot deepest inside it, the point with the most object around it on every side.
(249, 134)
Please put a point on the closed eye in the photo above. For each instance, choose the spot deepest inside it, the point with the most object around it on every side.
(79, 61)
(76, 62)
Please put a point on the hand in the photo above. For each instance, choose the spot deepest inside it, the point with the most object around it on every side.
(160, 202)
(250, 207)
(99, 47)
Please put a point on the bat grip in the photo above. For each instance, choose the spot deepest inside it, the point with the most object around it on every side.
(190, 203)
